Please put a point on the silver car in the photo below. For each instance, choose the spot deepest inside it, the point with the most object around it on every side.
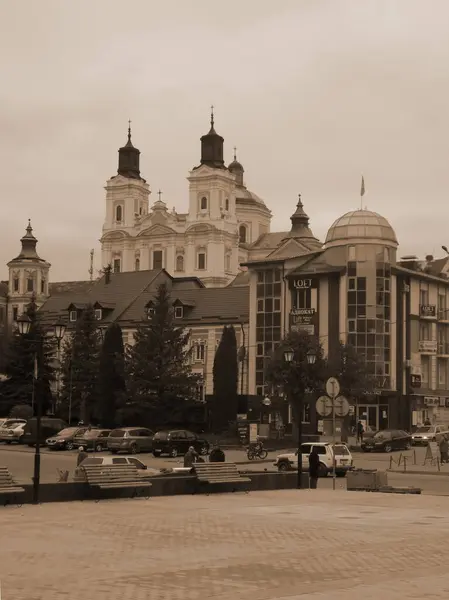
(429, 433)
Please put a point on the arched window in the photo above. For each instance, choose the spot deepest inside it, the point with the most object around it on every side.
(242, 234)
(137, 264)
(203, 203)
(227, 204)
(118, 213)
(180, 263)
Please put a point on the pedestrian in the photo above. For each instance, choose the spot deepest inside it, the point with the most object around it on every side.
(81, 456)
(190, 457)
(427, 422)
(314, 467)
(444, 449)
(360, 432)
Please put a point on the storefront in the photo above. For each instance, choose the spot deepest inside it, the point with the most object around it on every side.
(432, 408)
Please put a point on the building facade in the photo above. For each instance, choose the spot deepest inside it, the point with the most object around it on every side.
(210, 241)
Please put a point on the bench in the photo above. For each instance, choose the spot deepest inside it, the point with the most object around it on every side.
(7, 484)
(111, 477)
(218, 473)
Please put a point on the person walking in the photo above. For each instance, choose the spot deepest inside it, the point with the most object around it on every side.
(314, 467)
(360, 432)
(444, 449)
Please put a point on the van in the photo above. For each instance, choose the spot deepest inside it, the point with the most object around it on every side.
(49, 427)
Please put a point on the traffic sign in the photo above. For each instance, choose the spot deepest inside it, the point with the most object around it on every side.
(332, 387)
(341, 406)
(324, 406)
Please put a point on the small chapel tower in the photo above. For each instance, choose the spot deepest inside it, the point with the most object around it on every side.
(28, 277)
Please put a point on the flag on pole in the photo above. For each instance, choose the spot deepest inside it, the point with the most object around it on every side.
(35, 367)
(362, 189)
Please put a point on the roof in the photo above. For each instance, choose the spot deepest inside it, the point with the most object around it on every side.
(245, 196)
(60, 288)
(240, 279)
(127, 295)
(269, 240)
(360, 224)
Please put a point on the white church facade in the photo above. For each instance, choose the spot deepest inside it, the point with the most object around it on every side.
(210, 241)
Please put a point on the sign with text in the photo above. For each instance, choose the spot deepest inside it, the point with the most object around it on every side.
(429, 346)
(303, 319)
(303, 283)
(427, 310)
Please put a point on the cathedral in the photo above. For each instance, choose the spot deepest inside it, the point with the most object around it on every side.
(226, 223)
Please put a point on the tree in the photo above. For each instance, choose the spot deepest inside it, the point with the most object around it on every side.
(161, 384)
(80, 366)
(295, 379)
(225, 374)
(28, 367)
(111, 375)
(350, 370)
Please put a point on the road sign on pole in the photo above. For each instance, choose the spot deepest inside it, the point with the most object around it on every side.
(332, 387)
(341, 406)
(324, 406)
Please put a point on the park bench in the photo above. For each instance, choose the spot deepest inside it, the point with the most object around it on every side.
(8, 486)
(111, 477)
(218, 473)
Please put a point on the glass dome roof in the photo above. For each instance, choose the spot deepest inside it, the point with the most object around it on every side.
(361, 224)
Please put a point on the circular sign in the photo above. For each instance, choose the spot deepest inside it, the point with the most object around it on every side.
(332, 387)
(324, 406)
(341, 406)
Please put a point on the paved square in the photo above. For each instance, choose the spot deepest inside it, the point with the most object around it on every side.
(262, 546)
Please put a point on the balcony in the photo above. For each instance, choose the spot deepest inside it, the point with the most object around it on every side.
(443, 314)
(427, 347)
(443, 349)
(428, 311)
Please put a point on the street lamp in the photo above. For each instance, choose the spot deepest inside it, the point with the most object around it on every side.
(289, 356)
(24, 327)
(59, 330)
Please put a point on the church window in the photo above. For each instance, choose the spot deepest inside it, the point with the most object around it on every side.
(118, 213)
(16, 284)
(228, 262)
(137, 264)
(203, 204)
(242, 234)
(157, 259)
(227, 204)
(30, 284)
(42, 286)
(15, 313)
(180, 263)
(201, 261)
(116, 265)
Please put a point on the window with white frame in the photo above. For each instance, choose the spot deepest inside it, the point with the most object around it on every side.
(73, 316)
(98, 314)
(150, 311)
(423, 295)
(179, 312)
(199, 351)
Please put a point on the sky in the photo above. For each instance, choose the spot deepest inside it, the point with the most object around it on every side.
(314, 93)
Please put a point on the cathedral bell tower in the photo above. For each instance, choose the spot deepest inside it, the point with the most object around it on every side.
(212, 147)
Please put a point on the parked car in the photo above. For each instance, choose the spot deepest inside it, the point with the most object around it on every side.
(142, 469)
(92, 439)
(177, 442)
(130, 439)
(49, 426)
(65, 439)
(13, 433)
(387, 440)
(343, 459)
(429, 433)
(11, 421)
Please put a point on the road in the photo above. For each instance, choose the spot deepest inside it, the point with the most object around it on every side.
(20, 461)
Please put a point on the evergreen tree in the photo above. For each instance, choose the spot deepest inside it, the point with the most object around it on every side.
(111, 375)
(161, 384)
(225, 375)
(80, 367)
(28, 367)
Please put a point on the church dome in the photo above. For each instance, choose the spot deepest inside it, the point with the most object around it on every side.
(363, 225)
(235, 166)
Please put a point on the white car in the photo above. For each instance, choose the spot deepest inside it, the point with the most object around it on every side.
(13, 433)
(343, 459)
(429, 433)
(142, 468)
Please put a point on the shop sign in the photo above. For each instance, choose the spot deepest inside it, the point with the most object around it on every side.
(303, 319)
(427, 346)
(427, 310)
(433, 401)
(302, 284)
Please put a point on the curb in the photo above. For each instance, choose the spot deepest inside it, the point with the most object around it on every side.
(437, 473)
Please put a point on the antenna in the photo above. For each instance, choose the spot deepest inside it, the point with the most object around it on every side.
(91, 268)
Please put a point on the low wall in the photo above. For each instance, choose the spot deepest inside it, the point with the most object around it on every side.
(171, 485)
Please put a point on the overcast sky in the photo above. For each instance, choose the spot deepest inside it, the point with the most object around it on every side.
(312, 92)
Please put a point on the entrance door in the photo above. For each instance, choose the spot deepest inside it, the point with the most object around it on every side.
(369, 415)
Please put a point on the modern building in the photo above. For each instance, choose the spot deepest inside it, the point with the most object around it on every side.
(354, 289)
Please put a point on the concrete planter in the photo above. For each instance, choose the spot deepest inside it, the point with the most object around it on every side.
(363, 479)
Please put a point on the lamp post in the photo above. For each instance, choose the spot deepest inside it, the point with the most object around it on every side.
(289, 357)
(24, 324)
(59, 331)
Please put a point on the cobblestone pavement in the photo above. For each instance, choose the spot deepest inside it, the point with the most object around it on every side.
(283, 545)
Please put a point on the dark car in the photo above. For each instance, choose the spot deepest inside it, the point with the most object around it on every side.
(178, 442)
(387, 440)
(130, 439)
(49, 426)
(64, 440)
(93, 439)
